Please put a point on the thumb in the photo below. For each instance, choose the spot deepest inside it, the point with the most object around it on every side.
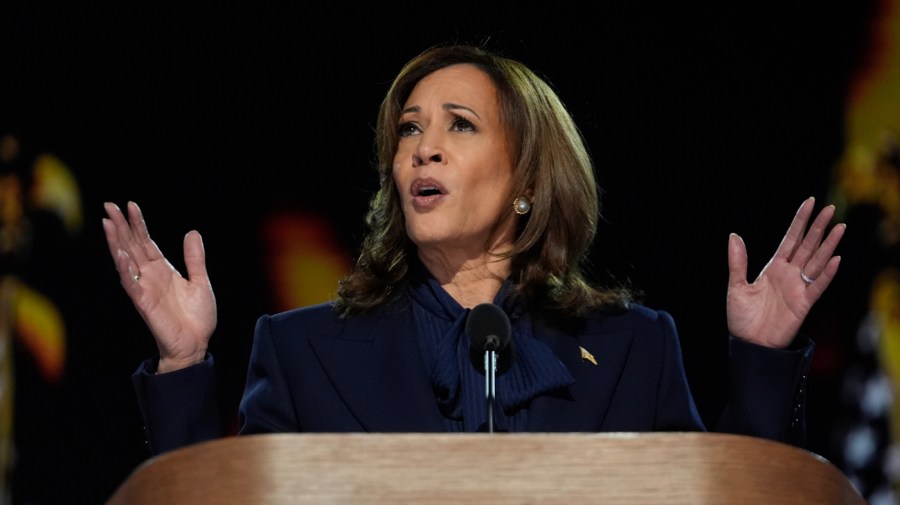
(737, 260)
(195, 257)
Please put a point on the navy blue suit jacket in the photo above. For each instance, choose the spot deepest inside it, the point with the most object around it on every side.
(311, 371)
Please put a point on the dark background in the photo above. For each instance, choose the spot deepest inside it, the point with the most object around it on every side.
(702, 121)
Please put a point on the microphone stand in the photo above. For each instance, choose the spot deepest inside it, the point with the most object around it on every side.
(490, 385)
(489, 330)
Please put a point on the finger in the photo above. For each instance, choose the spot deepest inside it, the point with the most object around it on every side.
(195, 257)
(112, 238)
(122, 228)
(811, 241)
(120, 258)
(737, 261)
(117, 231)
(794, 235)
(148, 248)
(125, 231)
(824, 252)
(129, 272)
(814, 290)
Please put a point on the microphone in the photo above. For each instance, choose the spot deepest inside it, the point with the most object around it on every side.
(490, 334)
(489, 329)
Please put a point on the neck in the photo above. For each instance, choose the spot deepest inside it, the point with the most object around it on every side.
(471, 281)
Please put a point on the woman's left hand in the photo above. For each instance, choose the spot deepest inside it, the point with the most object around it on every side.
(770, 310)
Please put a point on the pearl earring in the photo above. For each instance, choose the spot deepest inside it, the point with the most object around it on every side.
(522, 205)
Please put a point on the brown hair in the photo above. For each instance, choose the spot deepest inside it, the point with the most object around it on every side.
(550, 159)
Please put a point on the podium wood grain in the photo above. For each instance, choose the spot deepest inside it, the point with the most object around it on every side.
(499, 468)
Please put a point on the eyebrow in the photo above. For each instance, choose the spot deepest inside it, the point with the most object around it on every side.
(446, 106)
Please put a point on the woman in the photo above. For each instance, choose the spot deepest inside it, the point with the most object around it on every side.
(487, 195)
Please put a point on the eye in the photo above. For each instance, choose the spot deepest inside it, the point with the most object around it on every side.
(461, 124)
(408, 128)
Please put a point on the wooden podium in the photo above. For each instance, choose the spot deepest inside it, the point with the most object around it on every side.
(499, 468)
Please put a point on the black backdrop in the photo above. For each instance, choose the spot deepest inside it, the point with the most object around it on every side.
(702, 121)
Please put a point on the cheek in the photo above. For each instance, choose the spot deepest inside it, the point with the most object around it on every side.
(401, 179)
(400, 162)
(404, 152)
(499, 179)
(397, 175)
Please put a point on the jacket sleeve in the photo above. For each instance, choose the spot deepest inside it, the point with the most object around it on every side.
(177, 408)
(767, 391)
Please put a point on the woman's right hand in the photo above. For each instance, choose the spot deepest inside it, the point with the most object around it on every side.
(180, 312)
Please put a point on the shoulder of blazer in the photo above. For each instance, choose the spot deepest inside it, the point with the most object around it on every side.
(322, 316)
(322, 320)
(636, 318)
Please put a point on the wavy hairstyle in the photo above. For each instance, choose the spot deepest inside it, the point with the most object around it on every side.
(549, 158)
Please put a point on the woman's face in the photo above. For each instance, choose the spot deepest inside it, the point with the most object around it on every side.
(453, 168)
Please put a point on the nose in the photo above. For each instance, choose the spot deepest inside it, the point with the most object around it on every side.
(427, 151)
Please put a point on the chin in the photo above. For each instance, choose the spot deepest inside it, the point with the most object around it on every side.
(424, 231)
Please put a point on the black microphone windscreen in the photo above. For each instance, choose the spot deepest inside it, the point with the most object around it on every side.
(488, 328)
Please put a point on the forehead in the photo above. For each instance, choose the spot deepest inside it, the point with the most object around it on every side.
(462, 83)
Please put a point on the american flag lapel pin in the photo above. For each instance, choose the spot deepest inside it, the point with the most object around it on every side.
(586, 356)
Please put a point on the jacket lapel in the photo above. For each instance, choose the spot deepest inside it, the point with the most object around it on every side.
(376, 366)
(594, 383)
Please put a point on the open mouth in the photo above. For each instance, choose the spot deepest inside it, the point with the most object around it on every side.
(426, 192)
